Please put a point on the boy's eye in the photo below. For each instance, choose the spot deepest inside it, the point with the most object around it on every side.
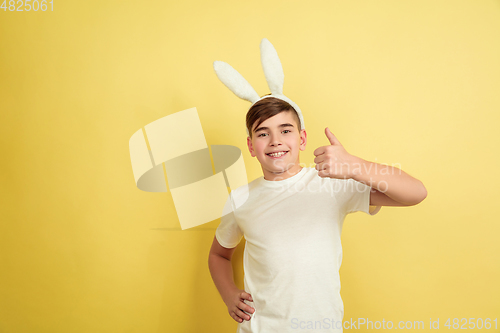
(286, 131)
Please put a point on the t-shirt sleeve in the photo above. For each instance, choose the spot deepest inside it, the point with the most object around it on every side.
(357, 198)
(228, 232)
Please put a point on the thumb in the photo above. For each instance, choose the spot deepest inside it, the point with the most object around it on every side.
(333, 140)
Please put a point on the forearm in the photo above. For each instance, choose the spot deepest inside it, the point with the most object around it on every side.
(221, 270)
(394, 182)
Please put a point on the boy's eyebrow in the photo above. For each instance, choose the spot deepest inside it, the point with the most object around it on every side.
(262, 128)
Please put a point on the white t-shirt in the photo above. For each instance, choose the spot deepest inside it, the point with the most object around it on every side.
(293, 252)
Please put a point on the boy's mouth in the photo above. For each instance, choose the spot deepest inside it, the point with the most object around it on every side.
(278, 154)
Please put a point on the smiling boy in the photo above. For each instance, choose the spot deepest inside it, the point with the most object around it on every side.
(292, 219)
(277, 153)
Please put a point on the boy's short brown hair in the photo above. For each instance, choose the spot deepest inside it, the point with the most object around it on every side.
(267, 108)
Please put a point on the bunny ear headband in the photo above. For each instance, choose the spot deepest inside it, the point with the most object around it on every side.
(273, 72)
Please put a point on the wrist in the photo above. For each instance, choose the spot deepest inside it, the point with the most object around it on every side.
(356, 167)
(228, 293)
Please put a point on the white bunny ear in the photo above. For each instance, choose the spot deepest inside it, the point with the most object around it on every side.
(271, 65)
(235, 82)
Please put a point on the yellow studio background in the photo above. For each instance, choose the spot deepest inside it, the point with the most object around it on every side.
(408, 83)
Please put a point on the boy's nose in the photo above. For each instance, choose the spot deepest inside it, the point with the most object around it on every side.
(275, 141)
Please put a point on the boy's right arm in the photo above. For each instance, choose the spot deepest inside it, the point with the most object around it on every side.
(221, 269)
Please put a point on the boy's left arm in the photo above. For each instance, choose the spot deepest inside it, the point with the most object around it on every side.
(392, 186)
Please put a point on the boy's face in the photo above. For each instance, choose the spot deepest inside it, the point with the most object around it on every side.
(278, 134)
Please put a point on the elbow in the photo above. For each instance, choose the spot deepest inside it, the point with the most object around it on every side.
(417, 197)
(210, 259)
(422, 195)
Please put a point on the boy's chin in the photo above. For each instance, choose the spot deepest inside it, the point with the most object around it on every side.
(280, 168)
(277, 166)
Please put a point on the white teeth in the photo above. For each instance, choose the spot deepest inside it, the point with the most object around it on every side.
(281, 153)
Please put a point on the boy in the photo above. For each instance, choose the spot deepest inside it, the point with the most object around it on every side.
(292, 220)
(292, 216)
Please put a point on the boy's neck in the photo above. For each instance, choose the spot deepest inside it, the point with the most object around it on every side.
(277, 176)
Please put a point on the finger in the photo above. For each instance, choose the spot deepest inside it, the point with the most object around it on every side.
(235, 317)
(323, 159)
(321, 166)
(242, 314)
(323, 173)
(247, 296)
(326, 164)
(319, 151)
(333, 140)
(246, 307)
(319, 159)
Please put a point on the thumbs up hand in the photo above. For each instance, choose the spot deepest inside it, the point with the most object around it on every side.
(334, 161)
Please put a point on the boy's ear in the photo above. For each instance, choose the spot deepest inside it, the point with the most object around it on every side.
(303, 140)
(250, 146)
